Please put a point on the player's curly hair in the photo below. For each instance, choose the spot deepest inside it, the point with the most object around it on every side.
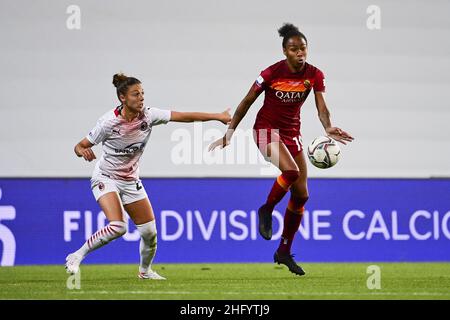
(287, 31)
(122, 82)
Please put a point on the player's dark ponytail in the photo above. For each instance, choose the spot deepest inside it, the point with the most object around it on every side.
(122, 82)
(287, 31)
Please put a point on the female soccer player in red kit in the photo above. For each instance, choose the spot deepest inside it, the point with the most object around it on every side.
(286, 84)
(124, 132)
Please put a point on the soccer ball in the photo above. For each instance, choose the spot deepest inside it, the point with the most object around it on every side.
(323, 152)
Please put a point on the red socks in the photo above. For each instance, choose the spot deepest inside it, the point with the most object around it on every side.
(294, 211)
(292, 219)
(281, 186)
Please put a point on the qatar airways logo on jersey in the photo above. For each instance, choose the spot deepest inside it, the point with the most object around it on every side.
(291, 97)
(131, 148)
(292, 91)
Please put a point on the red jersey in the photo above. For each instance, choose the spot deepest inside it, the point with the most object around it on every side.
(285, 93)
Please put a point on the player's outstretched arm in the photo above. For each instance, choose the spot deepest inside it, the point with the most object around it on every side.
(223, 117)
(241, 111)
(83, 149)
(324, 115)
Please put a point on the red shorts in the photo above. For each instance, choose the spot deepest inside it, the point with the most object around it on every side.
(263, 137)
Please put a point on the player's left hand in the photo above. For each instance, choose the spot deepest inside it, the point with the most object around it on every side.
(222, 143)
(225, 117)
(339, 135)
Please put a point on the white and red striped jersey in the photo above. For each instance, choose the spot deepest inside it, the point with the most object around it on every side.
(123, 142)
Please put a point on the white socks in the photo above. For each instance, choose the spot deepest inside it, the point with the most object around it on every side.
(113, 230)
(148, 245)
(116, 229)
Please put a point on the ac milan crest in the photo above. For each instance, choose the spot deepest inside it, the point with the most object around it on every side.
(144, 126)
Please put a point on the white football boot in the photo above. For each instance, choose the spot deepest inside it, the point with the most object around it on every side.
(73, 261)
(152, 275)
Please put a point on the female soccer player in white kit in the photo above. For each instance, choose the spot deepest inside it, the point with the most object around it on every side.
(124, 132)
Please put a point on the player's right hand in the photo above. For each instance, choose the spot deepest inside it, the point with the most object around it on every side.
(222, 142)
(88, 154)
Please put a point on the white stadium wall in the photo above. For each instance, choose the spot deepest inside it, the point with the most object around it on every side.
(389, 87)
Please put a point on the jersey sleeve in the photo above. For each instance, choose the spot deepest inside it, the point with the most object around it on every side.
(262, 82)
(319, 82)
(159, 116)
(98, 133)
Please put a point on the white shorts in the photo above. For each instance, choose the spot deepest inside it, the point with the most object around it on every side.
(128, 191)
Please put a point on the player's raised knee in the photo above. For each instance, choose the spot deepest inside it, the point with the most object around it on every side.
(119, 228)
(291, 175)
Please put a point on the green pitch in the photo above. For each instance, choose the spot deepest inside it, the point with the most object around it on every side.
(230, 281)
